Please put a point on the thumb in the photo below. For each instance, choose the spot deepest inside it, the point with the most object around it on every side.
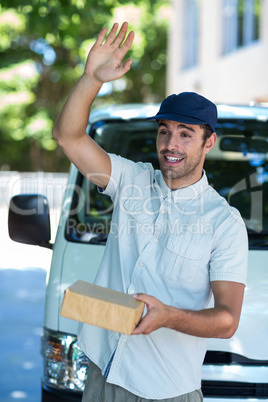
(126, 66)
(142, 297)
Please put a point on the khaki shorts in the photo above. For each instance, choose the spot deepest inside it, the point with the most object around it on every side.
(98, 390)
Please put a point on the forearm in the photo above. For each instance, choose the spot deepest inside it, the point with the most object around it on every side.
(73, 119)
(216, 322)
(104, 64)
(220, 321)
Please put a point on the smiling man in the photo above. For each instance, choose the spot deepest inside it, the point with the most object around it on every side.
(181, 142)
(158, 255)
(180, 153)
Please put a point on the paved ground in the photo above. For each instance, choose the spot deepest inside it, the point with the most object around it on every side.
(22, 291)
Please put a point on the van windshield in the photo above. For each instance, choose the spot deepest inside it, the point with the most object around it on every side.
(237, 167)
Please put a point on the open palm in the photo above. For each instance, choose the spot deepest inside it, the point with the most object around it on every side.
(105, 59)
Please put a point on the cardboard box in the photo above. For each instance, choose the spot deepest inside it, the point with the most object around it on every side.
(102, 307)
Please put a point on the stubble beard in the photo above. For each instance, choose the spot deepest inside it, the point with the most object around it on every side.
(186, 167)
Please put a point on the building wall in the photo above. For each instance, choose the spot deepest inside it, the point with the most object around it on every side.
(240, 76)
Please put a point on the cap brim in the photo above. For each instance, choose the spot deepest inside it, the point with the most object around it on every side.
(180, 118)
(177, 117)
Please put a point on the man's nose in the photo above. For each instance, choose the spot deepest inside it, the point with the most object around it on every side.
(173, 143)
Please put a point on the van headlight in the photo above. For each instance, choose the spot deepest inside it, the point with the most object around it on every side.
(65, 365)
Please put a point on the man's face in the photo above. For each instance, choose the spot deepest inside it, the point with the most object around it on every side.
(181, 152)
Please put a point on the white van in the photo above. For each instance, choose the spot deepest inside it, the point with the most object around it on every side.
(237, 168)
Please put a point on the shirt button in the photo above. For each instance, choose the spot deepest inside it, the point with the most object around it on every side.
(132, 291)
(156, 239)
(182, 251)
(141, 264)
(163, 211)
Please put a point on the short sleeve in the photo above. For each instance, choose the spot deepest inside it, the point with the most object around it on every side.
(123, 171)
(229, 257)
(117, 164)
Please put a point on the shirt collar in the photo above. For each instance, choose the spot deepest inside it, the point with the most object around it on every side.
(182, 194)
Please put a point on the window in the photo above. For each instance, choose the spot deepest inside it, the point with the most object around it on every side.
(190, 34)
(241, 23)
(237, 167)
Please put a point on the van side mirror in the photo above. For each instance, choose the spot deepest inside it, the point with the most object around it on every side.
(29, 220)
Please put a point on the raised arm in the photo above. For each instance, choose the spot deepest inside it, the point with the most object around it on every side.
(104, 64)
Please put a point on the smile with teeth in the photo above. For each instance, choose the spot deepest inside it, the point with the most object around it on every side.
(172, 159)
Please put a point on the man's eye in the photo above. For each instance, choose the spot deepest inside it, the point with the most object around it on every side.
(185, 135)
(163, 132)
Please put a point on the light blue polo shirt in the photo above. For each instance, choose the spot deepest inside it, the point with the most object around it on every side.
(171, 245)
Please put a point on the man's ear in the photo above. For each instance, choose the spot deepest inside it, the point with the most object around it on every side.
(210, 142)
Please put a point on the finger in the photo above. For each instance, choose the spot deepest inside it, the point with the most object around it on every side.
(144, 327)
(128, 43)
(126, 66)
(112, 34)
(139, 329)
(121, 34)
(101, 37)
(142, 297)
(126, 46)
(137, 296)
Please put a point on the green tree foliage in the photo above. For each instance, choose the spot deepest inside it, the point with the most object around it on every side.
(43, 48)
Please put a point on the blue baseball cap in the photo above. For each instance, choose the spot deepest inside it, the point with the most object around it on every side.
(188, 108)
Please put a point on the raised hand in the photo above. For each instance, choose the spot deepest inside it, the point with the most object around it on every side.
(105, 59)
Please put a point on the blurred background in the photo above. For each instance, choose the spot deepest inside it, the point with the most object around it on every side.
(218, 48)
(44, 45)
